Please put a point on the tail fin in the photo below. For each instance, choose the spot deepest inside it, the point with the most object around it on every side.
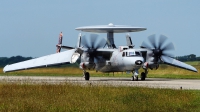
(79, 40)
(129, 41)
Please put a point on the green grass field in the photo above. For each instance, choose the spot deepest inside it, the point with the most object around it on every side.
(67, 97)
(70, 97)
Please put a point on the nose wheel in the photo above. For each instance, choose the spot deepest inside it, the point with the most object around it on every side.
(134, 78)
(135, 75)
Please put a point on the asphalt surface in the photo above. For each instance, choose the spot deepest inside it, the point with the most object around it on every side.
(113, 81)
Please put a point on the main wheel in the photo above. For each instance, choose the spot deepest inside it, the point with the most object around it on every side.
(143, 76)
(87, 76)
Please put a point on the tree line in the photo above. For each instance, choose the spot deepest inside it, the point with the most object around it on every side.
(14, 59)
(191, 57)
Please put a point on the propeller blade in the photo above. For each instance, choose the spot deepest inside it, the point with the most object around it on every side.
(144, 44)
(101, 43)
(92, 44)
(159, 49)
(169, 46)
(152, 40)
(84, 42)
(97, 59)
(167, 54)
(93, 38)
(162, 39)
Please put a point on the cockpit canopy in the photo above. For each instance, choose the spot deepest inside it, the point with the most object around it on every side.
(131, 53)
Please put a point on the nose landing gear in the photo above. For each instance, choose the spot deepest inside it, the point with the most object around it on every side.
(135, 75)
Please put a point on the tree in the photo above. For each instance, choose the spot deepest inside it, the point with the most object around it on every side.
(14, 59)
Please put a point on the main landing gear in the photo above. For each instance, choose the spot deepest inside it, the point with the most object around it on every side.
(143, 76)
(86, 75)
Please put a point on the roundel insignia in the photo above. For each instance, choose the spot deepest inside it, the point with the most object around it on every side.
(138, 62)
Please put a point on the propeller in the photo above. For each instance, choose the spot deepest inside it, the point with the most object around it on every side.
(92, 44)
(159, 49)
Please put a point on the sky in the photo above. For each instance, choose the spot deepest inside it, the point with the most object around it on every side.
(30, 28)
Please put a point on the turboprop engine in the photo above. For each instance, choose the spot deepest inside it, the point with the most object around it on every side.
(156, 51)
(90, 55)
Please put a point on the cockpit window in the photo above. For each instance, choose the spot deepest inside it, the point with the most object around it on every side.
(123, 54)
(130, 54)
(137, 53)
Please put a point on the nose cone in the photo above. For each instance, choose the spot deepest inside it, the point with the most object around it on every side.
(138, 62)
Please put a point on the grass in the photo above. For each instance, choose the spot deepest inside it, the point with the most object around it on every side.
(71, 97)
(67, 97)
(193, 63)
(166, 71)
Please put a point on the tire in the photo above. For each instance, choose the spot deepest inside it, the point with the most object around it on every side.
(87, 76)
(132, 78)
(143, 76)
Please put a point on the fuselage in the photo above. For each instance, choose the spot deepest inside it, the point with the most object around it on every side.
(120, 60)
(127, 60)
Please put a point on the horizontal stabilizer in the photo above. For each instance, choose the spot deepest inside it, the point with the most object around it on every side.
(176, 63)
(65, 57)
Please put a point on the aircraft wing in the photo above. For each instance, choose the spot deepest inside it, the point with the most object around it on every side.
(65, 57)
(176, 63)
(67, 47)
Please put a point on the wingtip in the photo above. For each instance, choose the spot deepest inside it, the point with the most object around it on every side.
(4, 69)
(196, 70)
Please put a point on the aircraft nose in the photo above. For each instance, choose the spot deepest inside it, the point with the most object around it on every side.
(138, 62)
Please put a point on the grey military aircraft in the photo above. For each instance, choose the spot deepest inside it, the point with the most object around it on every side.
(102, 55)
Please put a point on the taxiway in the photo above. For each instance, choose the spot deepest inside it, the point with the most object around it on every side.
(113, 81)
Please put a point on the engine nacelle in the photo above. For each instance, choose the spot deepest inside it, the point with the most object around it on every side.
(87, 65)
(151, 62)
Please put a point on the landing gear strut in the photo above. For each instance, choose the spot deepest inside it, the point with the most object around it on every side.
(135, 76)
(143, 75)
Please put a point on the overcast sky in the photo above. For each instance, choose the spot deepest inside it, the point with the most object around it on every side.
(31, 27)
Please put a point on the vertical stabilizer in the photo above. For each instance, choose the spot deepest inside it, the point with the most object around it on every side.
(129, 41)
(79, 40)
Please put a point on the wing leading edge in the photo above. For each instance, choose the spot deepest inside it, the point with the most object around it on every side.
(176, 63)
(65, 57)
